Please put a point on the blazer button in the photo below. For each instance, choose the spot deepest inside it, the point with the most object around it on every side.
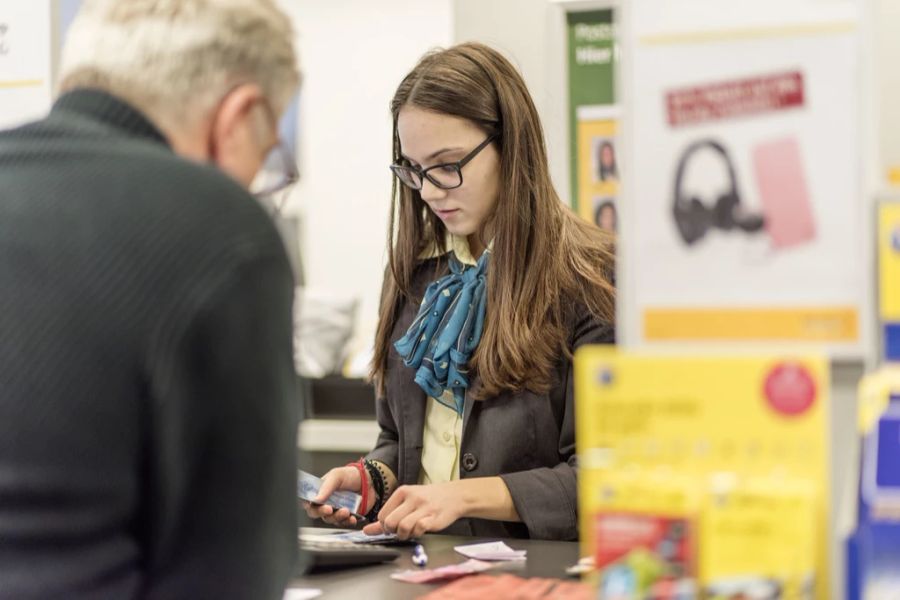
(469, 461)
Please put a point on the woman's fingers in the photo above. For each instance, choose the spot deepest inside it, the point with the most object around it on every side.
(391, 520)
(413, 525)
(373, 528)
(342, 478)
(331, 482)
(317, 511)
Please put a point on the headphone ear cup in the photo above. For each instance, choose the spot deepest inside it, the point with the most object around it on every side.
(692, 218)
(724, 211)
(700, 215)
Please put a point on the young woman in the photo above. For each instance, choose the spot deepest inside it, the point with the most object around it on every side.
(492, 284)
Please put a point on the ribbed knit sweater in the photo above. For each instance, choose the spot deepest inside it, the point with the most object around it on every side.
(147, 406)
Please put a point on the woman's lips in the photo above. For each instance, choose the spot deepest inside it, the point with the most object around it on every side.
(445, 214)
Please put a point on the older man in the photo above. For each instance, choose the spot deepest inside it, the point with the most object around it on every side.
(147, 409)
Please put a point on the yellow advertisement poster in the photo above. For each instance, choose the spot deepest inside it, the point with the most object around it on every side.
(889, 260)
(705, 471)
(598, 166)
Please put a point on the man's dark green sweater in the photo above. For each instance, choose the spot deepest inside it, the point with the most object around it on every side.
(147, 408)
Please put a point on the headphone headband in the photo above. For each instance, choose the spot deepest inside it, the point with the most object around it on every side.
(692, 149)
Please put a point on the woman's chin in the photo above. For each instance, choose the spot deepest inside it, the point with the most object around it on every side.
(458, 231)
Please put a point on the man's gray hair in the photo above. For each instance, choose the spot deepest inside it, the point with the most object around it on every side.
(176, 59)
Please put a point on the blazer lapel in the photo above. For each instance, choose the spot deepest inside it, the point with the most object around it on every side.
(469, 404)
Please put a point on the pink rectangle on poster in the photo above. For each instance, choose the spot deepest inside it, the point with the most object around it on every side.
(783, 192)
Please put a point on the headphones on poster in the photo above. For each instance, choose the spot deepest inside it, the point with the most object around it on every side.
(693, 218)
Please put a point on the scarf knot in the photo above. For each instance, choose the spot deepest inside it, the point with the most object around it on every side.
(447, 330)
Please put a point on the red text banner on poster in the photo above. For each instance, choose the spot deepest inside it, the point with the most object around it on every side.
(739, 97)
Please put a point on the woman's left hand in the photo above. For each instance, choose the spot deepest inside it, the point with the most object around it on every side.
(416, 509)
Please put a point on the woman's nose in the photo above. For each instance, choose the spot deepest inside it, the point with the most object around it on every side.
(431, 192)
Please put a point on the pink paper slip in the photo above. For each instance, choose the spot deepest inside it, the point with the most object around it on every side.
(783, 193)
(444, 573)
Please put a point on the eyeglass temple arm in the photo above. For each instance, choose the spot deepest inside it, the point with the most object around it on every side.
(478, 149)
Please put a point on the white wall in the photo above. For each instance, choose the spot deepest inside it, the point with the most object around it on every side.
(531, 34)
(353, 54)
(887, 55)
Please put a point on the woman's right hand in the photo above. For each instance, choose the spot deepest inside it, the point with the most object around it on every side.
(341, 478)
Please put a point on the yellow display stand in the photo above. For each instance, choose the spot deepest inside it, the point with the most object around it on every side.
(705, 469)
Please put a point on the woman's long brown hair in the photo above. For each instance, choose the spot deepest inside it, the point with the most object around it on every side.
(545, 259)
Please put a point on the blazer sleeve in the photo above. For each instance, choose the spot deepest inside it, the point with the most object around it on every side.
(547, 498)
(387, 448)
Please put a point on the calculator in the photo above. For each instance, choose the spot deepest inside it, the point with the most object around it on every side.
(317, 554)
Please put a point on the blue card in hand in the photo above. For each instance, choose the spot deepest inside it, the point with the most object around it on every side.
(308, 487)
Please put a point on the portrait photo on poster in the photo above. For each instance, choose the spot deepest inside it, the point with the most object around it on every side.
(603, 159)
(605, 214)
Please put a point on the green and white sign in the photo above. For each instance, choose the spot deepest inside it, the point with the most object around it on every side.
(592, 58)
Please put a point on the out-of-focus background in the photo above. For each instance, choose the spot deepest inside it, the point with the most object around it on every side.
(660, 116)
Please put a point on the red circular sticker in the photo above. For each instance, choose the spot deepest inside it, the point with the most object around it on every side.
(790, 389)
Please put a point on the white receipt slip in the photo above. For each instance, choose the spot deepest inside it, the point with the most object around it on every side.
(301, 594)
(491, 551)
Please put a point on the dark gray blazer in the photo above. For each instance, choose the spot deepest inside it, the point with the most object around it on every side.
(528, 439)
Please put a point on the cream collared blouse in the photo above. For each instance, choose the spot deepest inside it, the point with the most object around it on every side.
(443, 425)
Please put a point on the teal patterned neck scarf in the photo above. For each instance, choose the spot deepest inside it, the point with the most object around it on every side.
(447, 330)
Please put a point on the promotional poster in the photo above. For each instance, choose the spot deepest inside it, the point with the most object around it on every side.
(704, 474)
(751, 228)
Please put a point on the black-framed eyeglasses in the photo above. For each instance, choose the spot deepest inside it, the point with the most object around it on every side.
(446, 176)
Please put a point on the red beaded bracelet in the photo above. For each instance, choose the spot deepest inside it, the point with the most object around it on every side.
(364, 484)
